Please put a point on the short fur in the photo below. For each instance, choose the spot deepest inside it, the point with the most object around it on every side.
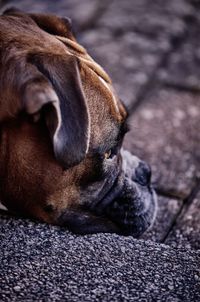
(61, 133)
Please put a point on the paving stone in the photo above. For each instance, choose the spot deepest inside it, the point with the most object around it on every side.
(164, 133)
(148, 17)
(166, 213)
(129, 41)
(46, 263)
(187, 229)
(129, 59)
(182, 68)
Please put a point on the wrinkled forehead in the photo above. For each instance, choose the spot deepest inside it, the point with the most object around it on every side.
(107, 113)
(96, 73)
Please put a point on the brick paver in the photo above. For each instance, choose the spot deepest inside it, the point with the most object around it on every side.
(187, 229)
(182, 68)
(129, 41)
(164, 133)
(168, 208)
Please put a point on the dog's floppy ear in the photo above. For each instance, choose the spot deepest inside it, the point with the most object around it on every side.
(54, 25)
(60, 26)
(66, 111)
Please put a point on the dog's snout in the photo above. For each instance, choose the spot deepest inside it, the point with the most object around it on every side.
(142, 174)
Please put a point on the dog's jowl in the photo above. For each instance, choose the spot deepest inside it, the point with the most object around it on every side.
(62, 128)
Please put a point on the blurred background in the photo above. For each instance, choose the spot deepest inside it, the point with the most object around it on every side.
(151, 50)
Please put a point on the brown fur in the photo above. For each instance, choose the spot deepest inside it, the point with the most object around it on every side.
(32, 181)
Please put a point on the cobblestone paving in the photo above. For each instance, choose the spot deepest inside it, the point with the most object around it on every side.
(163, 134)
(168, 208)
(187, 228)
(151, 49)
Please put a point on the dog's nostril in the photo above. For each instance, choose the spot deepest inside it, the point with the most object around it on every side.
(143, 174)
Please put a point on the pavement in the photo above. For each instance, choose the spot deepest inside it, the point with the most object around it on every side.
(151, 49)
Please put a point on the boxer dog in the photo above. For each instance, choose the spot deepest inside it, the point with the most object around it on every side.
(62, 128)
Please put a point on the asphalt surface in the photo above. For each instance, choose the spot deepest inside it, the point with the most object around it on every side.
(45, 263)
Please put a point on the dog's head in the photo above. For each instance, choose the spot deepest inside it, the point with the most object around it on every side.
(62, 127)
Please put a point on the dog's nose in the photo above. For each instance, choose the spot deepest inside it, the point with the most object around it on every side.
(142, 174)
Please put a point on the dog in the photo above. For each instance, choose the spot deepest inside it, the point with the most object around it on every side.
(62, 128)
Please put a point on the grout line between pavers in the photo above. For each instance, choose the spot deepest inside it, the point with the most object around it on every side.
(181, 87)
(182, 210)
(169, 194)
(102, 6)
(176, 42)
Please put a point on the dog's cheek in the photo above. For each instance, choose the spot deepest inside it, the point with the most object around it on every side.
(27, 170)
(63, 199)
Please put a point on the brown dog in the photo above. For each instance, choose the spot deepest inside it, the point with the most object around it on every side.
(62, 128)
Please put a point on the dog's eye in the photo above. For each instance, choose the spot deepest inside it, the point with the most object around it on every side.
(110, 154)
(107, 154)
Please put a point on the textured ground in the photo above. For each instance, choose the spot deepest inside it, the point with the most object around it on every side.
(43, 263)
(151, 49)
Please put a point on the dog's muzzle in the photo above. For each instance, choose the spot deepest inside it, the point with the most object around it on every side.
(131, 202)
